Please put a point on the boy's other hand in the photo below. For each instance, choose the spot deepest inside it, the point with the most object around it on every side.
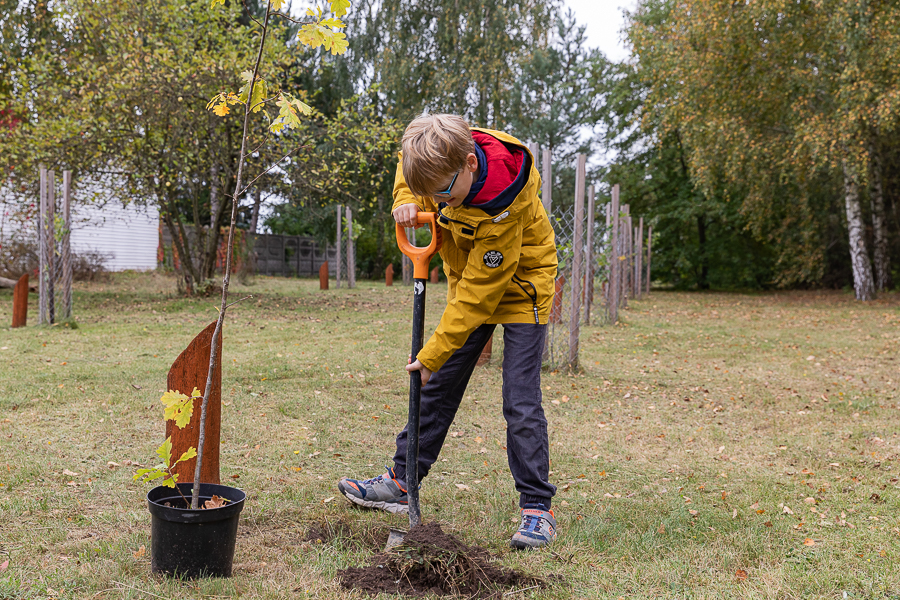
(405, 215)
(422, 369)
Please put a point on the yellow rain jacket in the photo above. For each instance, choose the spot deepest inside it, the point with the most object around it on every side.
(500, 267)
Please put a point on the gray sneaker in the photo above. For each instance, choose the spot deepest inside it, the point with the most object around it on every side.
(385, 492)
(538, 528)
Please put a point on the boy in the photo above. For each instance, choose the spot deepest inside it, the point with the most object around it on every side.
(500, 261)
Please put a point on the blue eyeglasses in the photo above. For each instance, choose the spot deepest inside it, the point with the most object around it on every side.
(446, 193)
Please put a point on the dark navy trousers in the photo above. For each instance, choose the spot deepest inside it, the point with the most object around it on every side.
(527, 445)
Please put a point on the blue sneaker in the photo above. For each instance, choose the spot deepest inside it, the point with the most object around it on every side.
(384, 492)
(538, 528)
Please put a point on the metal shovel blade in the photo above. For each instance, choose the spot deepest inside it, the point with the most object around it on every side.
(395, 538)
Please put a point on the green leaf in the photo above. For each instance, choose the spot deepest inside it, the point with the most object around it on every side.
(165, 452)
(260, 91)
(339, 7)
(179, 408)
(187, 455)
(333, 22)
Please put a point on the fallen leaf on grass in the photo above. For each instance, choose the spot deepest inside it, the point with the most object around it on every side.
(810, 500)
(741, 574)
(215, 502)
(139, 553)
(3, 565)
(694, 513)
(69, 473)
(768, 523)
(113, 465)
(463, 487)
(787, 510)
(809, 542)
(327, 500)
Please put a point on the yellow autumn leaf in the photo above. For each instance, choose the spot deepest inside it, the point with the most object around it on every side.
(221, 109)
(340, 7)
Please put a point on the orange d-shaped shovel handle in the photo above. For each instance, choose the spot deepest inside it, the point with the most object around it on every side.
(421, 256)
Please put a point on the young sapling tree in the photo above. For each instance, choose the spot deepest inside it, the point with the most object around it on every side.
(255, 95)
(180, 409)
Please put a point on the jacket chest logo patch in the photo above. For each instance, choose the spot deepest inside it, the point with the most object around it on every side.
(500, 217)
(493, 258)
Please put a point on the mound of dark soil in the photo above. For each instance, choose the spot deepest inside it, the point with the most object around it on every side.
(432, 562)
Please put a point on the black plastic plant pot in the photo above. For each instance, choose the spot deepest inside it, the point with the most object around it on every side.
(193, 543)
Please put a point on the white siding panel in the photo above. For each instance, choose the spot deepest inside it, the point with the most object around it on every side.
(127, 235)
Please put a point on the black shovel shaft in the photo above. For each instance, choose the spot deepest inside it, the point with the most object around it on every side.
(415, 403)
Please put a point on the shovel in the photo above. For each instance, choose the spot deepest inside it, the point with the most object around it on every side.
(420, 258)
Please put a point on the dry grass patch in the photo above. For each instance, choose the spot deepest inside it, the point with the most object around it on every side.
(715, 445)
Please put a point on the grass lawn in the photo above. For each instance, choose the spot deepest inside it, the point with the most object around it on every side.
(715, 445)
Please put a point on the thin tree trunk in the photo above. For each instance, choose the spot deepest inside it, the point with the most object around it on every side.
(859, 256)
(380, 237)
(254, 216)
(703, 283)
(213, 195)
(182, 246)
(879, 222)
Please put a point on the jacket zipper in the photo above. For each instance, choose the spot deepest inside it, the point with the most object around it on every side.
(533, 298)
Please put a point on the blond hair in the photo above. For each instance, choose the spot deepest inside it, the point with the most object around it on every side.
(435, 147)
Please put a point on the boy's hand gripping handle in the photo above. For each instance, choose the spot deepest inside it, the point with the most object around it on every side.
(421, 256)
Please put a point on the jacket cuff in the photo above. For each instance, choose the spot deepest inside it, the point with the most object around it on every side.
(433, 362)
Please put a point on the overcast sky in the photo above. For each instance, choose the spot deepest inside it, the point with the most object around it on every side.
(604, 21)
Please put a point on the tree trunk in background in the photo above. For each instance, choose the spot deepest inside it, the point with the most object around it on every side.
(703, 284)
(879, 222)
(859, 256)
(213, 194)
(381, 221)
(254, 216)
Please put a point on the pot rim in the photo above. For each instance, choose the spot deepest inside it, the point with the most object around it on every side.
(235, 505)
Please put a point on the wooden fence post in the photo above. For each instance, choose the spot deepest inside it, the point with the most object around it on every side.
(389, 275)
(625, 246)
(639, 260)
(589, 259)
(547, 183)
(612, 297)
(20, 302)
(42, 251)
(433, 276)
(649, 253)
(323, 275)
(351, 252)
(577, 266)
(50, 246)
(65, 253)
(189, 371)
(337, 245)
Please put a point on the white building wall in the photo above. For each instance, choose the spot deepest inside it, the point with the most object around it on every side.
(127, 235)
